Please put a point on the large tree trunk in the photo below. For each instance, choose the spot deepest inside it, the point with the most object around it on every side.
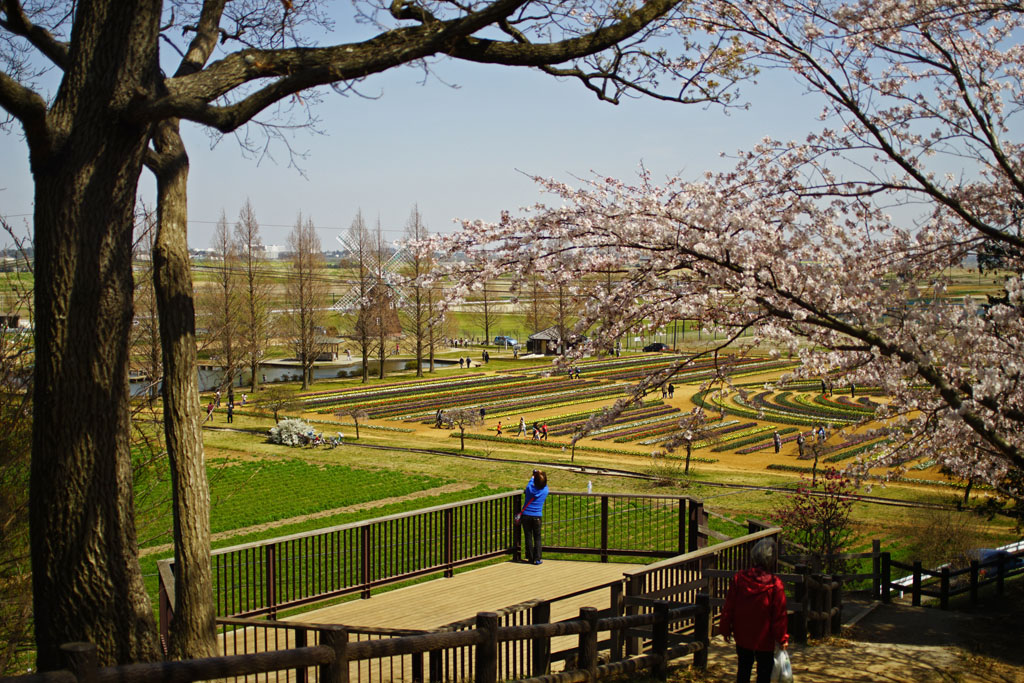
(192, 629)
(85, 571)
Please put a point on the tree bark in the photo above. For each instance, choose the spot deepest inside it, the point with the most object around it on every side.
(192, 628)
(86, 159)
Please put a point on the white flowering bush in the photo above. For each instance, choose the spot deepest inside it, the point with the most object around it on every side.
(290, 432)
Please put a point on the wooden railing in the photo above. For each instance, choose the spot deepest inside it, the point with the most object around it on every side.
(264, 577)
(655, 614)
(944, 583)
(333, 657)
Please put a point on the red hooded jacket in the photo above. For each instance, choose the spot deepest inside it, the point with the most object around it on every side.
(755, 610)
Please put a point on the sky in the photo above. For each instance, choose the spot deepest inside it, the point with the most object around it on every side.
(462, 152)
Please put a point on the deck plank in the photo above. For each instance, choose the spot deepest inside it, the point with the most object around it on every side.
(436, 603)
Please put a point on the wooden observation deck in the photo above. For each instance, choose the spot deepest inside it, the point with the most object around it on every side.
(434, 604)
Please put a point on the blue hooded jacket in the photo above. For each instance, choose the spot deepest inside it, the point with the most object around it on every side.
(535, 500)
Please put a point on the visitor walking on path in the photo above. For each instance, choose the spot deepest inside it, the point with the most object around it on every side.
(671, 390)
(209, 412)
(777, 440)
(544, 431)
(533, 510)
(231, 411)
(499, 428)
(755, 613)
(522, 426)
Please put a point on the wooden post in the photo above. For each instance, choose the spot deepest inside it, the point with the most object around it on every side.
(449, 542)
(697, 539)
(604, 528)
(541, 645)
(270, 577)
(915, 599)
(83, 661)
(301, 672)
(517, 530)
(659, 640)
(166, 607)
(702, 631)
(974, 582)
(586, 659)
(417, 667)
(944, 589)
(821, 604)
(886, 577)
(876, 569)
(335, 637)
(615, 638)
(837, 604)
(436, 662)
(801, 600)
(685, 532)
(634, 587)
(487, 649)
(365, 561)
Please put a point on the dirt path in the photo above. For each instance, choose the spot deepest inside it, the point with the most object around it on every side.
(440, 490)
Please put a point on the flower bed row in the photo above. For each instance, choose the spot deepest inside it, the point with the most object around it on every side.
(515, 406)
(845, 403)
(371, 396)
(878, 477)
(703, 400)
(562, 446)
(847, 454)
(756, 439)
(731, 429)
(452, 399)
(625, 418)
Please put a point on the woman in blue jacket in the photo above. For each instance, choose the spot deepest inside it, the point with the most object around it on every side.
(535, 494)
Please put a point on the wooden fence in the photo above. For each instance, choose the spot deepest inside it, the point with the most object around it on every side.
(944, 583)
(264, 577)
(654, 614)
(332, 658)
(941, 583)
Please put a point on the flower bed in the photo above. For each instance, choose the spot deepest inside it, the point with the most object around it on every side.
(562, 446)
(507, 407)
(636, 417)
(758, 439)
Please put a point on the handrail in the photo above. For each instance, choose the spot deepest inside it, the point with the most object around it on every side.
(702, 552)
(362, 523)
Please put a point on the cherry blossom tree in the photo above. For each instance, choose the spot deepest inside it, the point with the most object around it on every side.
(816, 247)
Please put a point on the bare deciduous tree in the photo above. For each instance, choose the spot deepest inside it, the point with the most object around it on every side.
(255, 324)
(224, 306)
(463, 417)
(416, 311)
(306, 290)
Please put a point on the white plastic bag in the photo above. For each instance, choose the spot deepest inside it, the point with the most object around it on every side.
(782, 671)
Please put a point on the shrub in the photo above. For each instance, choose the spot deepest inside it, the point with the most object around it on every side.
(941, 536)
(291, 432)
(818, 517)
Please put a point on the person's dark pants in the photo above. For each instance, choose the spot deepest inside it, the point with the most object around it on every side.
(531, 537)
(765, 661)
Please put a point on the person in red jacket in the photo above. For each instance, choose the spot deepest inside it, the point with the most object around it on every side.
(755, 614)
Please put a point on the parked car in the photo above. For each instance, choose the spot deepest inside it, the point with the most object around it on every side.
(502, 340)
(657, 347)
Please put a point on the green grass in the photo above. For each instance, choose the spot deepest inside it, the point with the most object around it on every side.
(149, 562)
(248, 493)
